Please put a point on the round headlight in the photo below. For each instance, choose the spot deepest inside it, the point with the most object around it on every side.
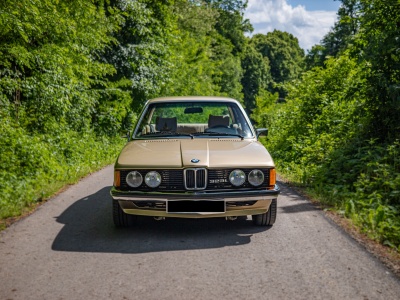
(256, 177)
(152, 179)
(134, 179)
(237, 177)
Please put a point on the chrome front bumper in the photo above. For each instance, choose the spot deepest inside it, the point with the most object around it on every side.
(236, 203)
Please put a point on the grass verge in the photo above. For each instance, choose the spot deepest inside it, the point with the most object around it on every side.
(33, 168)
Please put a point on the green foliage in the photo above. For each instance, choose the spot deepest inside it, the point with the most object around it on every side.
(192, 72)
(339, 38)
(141, 52)
(48, 61)
(256, 76)
(345, 29)
(228, 69)
(378, 44)
(74, 74)
(265, 106)
(284, 54)
(56, 104)
(33, 166)
(325, 137)
(315, 57)
(202, 59)
(231, 23)
(317, 117)
(192, 68)
(370, 29)
(377, 193)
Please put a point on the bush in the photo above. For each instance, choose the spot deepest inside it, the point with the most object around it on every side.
(34, 166)
(319, 139)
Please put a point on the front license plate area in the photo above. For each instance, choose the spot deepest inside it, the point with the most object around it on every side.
(201, 207)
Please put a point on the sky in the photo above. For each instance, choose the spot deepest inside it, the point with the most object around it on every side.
(308, 20)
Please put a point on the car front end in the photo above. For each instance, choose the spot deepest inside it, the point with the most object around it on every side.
(195, 192)
(194, 157)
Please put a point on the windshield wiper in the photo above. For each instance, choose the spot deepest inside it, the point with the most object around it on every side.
(167, 133)
(214, 133)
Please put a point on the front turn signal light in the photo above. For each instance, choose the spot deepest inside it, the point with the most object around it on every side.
(117, 178)
(272, 177)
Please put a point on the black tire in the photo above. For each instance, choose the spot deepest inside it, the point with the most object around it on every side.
(268, 218)
(120, 218)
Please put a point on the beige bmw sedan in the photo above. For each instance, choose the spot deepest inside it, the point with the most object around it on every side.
(194, 157)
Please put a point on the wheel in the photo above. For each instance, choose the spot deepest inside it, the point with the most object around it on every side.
(268, 218)
(120, 218)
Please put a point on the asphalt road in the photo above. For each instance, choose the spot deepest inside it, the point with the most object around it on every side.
(69, 249)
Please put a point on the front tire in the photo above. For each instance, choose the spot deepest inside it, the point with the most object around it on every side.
(120, 218)
(268, 218)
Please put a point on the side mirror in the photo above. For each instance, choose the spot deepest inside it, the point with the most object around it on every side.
(127, 136)
(262, 132)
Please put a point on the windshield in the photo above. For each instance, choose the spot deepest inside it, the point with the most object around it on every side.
(193, 119)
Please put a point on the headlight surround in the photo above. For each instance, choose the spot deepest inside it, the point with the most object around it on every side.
(237, 177)
(134, 179)
(256, 177)
(152, 179)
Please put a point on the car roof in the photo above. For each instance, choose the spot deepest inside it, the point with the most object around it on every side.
(192, 98)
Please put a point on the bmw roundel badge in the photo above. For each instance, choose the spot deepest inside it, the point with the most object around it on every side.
(195, 160)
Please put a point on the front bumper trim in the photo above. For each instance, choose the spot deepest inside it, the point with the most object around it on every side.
(198, 195)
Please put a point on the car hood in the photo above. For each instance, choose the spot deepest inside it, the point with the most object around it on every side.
(178, 153)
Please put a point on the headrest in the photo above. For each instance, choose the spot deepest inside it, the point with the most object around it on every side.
(166, 124)
(218, 121)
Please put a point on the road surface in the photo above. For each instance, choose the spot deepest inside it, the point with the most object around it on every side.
(69, 249)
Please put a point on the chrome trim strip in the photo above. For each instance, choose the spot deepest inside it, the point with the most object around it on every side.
(201, 195)
(227, 199)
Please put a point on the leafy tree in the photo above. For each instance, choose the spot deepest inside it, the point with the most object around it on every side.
(228, 69)
(141, 51)
(285, 56)
(48, 53)
(378, 44)
(256, 76)
(339, 133)
(228, 42)
(191, 68)
(74, 73)
(344, 30)
(231, 23)
(202, 60)
(340, 37)
(51, 84)
(315, 57)
(265, 107)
